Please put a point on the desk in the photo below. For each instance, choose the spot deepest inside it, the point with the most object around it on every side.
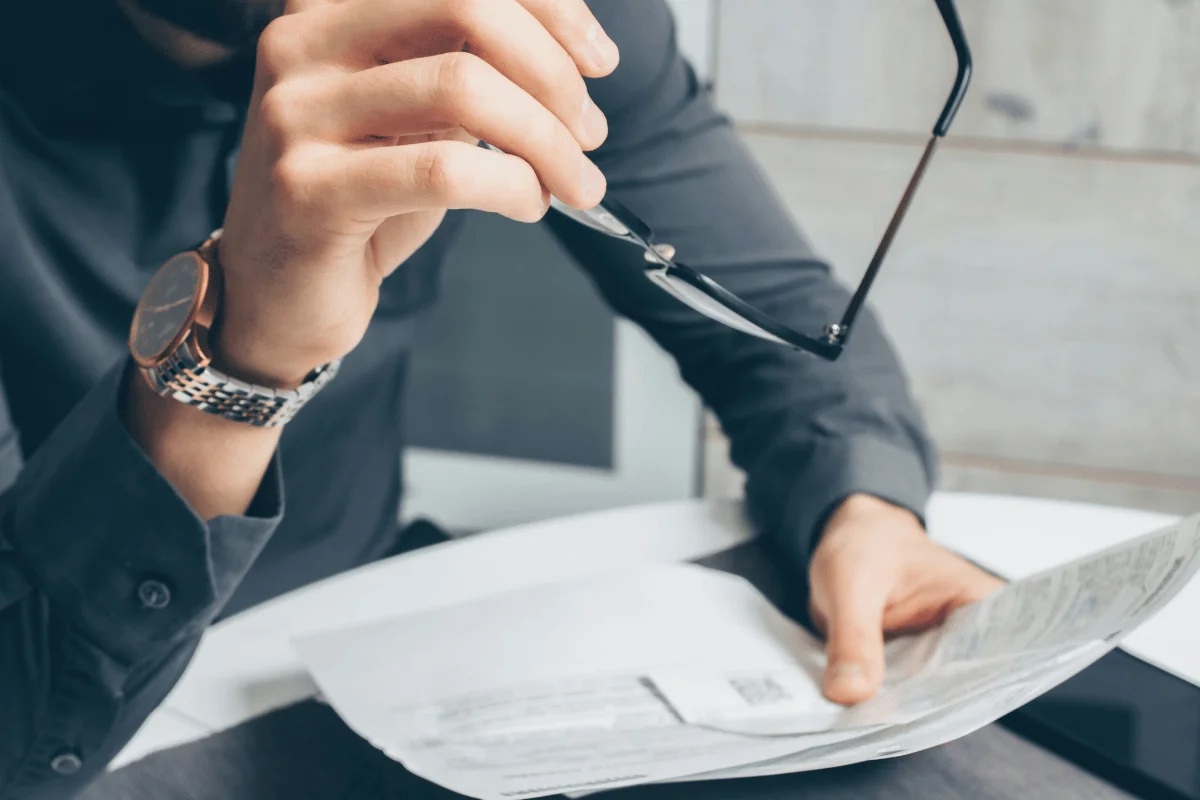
(245, 666)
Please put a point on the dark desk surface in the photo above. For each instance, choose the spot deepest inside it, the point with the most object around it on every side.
(1124, 720)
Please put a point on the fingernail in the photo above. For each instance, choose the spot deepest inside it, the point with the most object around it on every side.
(604, 50)
(595, 125)
(593, 181)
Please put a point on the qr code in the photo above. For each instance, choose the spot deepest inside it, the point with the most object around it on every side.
(759, 690)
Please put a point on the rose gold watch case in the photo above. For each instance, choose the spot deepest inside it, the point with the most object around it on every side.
(194, 331)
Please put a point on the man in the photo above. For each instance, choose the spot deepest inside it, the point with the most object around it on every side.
(336, 155)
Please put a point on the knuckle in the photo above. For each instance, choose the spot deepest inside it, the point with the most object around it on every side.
(464, 13)
(294, 180)
(277, 110)
(574, 87)
(852, 635)
(400, 79)
(278, 45)
(554, 137)
(459, 80)
(853, 642)
(567, 95)
(435, 171)
(532, 203)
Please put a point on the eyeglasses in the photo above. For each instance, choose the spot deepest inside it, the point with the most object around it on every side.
(715, 301)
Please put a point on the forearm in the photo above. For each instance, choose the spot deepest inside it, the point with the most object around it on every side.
(808, 433)
(215, 465)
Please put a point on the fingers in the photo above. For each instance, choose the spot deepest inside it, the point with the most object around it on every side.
(399, 237)
(572, 23)
(460, 90)
(854, 642)
(503, 33)
(382, 182)
(976, 584)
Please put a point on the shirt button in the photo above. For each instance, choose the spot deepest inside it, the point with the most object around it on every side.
(66, 763)
(154, 595)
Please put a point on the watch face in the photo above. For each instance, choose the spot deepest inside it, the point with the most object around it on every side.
(167, 308)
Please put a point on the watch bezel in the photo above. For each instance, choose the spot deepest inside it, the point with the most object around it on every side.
(200, 314)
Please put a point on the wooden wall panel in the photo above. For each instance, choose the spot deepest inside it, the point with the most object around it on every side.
(969, 474)
(1120, 74)
(1047, 307)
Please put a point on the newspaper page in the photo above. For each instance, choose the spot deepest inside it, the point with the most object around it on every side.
(932, 730)
(1021, 632)
(678, 673)
(995, 656)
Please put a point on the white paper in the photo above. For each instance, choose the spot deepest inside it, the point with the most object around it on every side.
(783, 701)
(679, 673)
(542, 691)
(628, 736)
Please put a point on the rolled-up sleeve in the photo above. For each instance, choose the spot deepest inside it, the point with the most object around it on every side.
(808, 433)
(107, 580)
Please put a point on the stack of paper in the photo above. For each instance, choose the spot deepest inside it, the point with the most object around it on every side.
(681, 673)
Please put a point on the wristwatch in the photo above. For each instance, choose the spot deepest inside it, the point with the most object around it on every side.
(169, 343)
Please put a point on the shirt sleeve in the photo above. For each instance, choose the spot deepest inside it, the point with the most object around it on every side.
(808, 433)
(107, 579)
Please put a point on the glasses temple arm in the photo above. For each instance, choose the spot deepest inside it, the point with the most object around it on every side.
(966, 65)
(840, 332)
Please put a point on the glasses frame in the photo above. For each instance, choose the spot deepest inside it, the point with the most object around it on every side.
(613, 219)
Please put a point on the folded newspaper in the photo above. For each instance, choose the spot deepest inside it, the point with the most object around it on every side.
(679, 673)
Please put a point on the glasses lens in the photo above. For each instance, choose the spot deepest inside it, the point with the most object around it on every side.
(699, 301)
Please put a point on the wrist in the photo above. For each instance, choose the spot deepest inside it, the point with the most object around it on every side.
(215, 464)
(272, 344)
(245, 355)
(858, 508)
(245, 343)
(860, 504)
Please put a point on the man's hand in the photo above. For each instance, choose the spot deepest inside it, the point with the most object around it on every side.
(362, 132)
(876, 573)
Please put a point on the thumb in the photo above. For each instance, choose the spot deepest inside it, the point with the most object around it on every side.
(854, 645)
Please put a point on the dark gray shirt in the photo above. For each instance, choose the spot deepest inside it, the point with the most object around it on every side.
(111, 160)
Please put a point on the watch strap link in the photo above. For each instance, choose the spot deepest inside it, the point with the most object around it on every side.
(184, 378)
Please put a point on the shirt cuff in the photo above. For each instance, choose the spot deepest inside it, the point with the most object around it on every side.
(114, 547)
(840, 468)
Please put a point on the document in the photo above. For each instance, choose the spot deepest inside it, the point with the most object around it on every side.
(675, 673)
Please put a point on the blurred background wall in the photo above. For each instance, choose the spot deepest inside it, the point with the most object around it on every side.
(1045, 291)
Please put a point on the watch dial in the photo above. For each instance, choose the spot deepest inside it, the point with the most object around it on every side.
(166, 306)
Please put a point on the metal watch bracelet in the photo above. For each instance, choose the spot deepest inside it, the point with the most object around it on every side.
(184, 378)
